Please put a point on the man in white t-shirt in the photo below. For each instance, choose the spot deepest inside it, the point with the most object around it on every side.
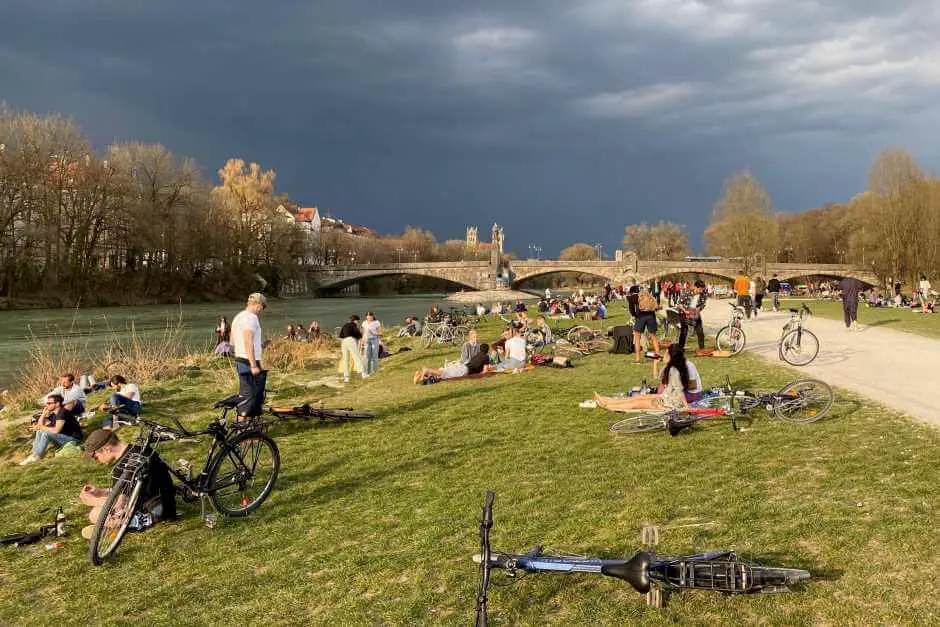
(515, 352)
(73, 397)
(924, 288)
(246, 340)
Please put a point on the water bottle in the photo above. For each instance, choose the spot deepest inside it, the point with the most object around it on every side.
(60, 523)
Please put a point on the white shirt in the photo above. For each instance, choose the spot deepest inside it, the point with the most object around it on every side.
(515, 348)
(695, 380)
(130, 391)
(371, 329)
(74, 393)
(925, 288)
(246, 321)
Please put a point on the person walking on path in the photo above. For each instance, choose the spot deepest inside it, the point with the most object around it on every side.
(371, 340)
(850, 290)
(759, 286)
(742, 289)
(349, 337)
(924, 287)
(773, 288)
(247, 343)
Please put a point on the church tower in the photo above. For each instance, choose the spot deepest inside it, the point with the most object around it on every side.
(472, 237)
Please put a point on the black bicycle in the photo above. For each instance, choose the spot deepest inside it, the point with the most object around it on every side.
(308, 411)
(648, 573)
(239, 473)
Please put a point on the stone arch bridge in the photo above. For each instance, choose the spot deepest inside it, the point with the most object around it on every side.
(482, 275)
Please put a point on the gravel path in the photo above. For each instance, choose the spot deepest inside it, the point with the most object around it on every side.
(901, 370)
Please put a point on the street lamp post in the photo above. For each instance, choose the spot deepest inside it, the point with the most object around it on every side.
(399, 251)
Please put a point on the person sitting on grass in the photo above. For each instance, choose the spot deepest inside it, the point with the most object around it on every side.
(56, 426)
(601, 312)
(515, 356)
(470, 348)
(73, 396)
(456, 370)
(543, 329)
(676, 381)
(125, 399)
(158, 496)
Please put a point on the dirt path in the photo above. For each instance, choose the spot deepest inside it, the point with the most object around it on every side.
(899, 369)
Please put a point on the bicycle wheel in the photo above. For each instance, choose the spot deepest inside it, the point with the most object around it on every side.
(114, 518)
(743, 401)
(459, 333)
(346, 414)
(427, 337)
(598, 345)
(238, 486)
(799, 347)
(639, 424)
(580, 334)
(803, 401)
(731, 339)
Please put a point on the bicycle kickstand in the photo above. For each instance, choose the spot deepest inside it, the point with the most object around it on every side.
(656, 597)
(208, 517)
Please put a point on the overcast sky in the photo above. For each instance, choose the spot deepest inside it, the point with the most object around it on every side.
(564, 120)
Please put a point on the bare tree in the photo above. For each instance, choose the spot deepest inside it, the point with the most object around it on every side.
(663, 240)
(743, 220)
(579, 252)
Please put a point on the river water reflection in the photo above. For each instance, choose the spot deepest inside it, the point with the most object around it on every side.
(96, 325)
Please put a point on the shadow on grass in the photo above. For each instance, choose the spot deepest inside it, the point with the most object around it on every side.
(878, 323)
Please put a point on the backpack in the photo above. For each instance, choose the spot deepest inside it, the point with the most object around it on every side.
(646, 302)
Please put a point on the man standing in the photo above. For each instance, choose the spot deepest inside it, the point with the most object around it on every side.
(759, 286)
(692, 315)
(773, 287)
(742, 288)
(246, 338)
(850, 289)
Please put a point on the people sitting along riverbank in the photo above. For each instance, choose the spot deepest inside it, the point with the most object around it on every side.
(157, 499)
(676, 382)
(475, 365)
(515, 353)
(125, 399)
(56, 426)
(73, 396)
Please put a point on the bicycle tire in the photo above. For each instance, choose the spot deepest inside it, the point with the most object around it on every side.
(114, 534)
(598, 345)
(427, 338)
(460, 333)
(812, 400)
(579, 334)
(731, 339)
(745, 401)
(641, 423)
(250, 445)
(346, 414)
(799, 347)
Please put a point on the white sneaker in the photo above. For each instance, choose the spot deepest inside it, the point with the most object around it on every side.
(31, 458)
(345, 379)
(588, 404)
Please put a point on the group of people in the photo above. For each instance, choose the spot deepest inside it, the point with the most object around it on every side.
(360, 346)
(58, 423)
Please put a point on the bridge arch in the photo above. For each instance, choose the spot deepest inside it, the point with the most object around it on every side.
(864, 277)
(718, 273)
(340, 281)
(518, 282)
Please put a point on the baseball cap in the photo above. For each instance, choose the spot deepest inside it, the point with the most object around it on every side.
(95, 440)
(258, 298)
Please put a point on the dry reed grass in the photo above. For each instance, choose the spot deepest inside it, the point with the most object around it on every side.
(290, 355)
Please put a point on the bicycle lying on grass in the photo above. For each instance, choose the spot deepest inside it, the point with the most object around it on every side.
(646, 572)
(799, 402)
(308, 411)
(798, 346)
(238, 475)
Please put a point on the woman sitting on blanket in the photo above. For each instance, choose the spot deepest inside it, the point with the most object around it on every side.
(455, 371)
(674, 392)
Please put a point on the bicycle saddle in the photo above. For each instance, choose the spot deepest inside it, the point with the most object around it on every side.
(794, 311)
(229, 403)
(634, 571)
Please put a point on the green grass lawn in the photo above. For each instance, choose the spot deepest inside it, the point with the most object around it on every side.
(899, 319)
(375, 522)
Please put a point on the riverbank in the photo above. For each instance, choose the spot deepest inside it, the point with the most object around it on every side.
(487, 297)
(376, 521)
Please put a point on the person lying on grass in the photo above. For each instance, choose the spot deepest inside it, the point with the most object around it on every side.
(158, 496)
(676, 384)
(456, 370)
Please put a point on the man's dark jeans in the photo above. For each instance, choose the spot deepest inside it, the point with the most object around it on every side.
(251, 388)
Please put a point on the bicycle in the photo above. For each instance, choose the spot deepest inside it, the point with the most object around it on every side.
(647, 572)
(798, 346)
(588, 340)
(308, 411)
(239, 456)
(731, 337)
(442, 333)
(799, 402)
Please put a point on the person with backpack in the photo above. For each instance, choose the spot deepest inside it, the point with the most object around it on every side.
(643, 309)
(773, 288)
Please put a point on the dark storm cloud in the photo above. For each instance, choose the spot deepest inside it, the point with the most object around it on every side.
(562, 120)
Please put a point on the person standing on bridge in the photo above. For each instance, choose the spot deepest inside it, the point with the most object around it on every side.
(742, 289)
(850, 290)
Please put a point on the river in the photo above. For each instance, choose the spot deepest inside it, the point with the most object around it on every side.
(95, 326)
